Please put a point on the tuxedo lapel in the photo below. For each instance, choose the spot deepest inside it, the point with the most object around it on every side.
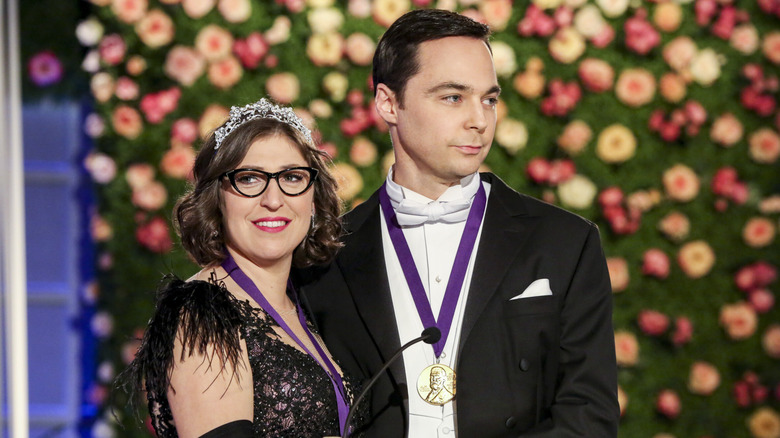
(505, 229)
(362, 264)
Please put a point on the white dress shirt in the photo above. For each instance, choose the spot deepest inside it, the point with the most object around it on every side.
(433, 247)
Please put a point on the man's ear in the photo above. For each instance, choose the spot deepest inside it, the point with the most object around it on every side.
(386, 104)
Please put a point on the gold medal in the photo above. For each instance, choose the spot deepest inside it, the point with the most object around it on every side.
(436, 384)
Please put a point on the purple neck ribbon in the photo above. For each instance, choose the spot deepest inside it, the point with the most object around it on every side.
(459, 266)
(230, 266)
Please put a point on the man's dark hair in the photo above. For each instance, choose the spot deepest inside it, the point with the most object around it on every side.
(395, 59)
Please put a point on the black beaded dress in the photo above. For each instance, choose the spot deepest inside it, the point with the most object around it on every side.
(293, 395)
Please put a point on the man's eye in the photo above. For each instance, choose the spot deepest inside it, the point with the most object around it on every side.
(491, 101)
(453, 99)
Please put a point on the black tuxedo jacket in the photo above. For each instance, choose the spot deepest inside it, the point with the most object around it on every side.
(532, 367)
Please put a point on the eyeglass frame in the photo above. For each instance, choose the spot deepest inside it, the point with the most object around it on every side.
(231, 176)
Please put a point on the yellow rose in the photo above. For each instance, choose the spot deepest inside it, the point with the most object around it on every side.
(616, 144)
(512, 135)
(696, 258)
(567, 45)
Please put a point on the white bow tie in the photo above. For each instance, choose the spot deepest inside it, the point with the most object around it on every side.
(411, 212)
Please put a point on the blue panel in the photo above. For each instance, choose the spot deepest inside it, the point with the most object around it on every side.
(49, 351)
(48, 224)
(50, 132)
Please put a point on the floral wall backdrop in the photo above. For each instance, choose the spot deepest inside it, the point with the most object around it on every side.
(658, 120)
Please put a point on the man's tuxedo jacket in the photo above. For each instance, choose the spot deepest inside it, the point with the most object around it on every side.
(532, 367)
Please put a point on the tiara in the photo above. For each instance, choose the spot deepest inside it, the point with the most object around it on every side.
(262, 109)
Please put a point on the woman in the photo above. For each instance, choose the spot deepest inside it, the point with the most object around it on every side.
(229, 352)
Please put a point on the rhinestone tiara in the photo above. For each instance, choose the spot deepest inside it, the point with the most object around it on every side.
(262, 109)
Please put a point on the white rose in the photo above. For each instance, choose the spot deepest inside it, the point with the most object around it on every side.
(279, 31)
(324, 20)
(577, 192)
(705, 67)
(89, 32)
(336, 85)
(504, 59)
(319, 3)
(91, 62)
(588, 21)
(512, 135)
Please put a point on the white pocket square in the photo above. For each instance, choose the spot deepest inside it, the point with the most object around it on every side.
(538, 288)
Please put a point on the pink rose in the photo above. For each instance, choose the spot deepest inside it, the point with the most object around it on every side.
(283, 87)
(745, 39)
(214, 42)
(496, 13)
(652, 323)
(360, 48)
(675, 226)
(129, 11)
(611, 196)
(641, 37)
(758, 232)
(184, 65)
(683, 331)
(225, 73)
(563, 98)
(154, 235)
(112, 49)
(251, 50)
(156, 106)
(626, 348)
(150, 196)
(681, 183)
(575, 137)
(126, 88)
(771, 47)
(635, 87)
(726, 130)
(764, 146)
(44, 68)
(139, 175)
(771, 341)
(178, 161)
(667, 403)
(101, 167)
(655, 263)
(703, 379)
(696, 258)
(596, 75)
(739, 320)
(762, 300)
(126, 122)
(155, 29)
(618, 273)
(184, 131)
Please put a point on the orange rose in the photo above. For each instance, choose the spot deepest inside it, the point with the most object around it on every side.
(530, 84)
(668, 16)
(135, 65)
(496, 13)
(704, 378)
(681, 183)
(178, 162)
(696, 258)
(127, 122)
(758, 232)
(362, 152)
(626, 348)
(726, 130)
(349, 181)
(739, 320)
(212, 117)
(672, 87)
(225, 73)
(622, 400)
(771, 47)
(214, 42)
(155, 29)
(100, 229)
(618, 273)
(771, 341)
(575, 137)
(283, 87)
(764, 423)
(764, 146)
(635, 87)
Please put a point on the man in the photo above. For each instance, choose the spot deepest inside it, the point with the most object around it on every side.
(518, 288)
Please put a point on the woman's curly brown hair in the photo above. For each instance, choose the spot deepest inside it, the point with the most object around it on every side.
(198, 216)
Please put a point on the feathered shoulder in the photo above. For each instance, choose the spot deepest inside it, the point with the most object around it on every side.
(202, 313)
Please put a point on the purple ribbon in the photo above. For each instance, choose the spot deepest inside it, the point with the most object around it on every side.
(459, 266)
(230, 266)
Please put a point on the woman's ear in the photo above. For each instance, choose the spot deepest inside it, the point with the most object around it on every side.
(386, 104)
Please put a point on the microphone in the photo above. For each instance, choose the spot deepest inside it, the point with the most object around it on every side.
(430, 335)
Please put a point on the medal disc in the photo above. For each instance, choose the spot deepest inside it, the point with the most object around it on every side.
(436, 384)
